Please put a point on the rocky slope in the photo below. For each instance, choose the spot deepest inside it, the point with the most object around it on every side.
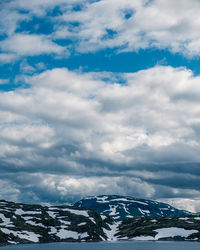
(21, 223)
(125, 207)
(163, 228)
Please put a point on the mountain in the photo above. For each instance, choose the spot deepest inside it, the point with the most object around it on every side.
(22, 223)
(125, 207)
(163, 228)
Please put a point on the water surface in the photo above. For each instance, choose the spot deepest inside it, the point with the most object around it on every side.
(133, 245)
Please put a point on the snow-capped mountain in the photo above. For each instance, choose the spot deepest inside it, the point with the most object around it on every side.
(125, 207)
(22, 223)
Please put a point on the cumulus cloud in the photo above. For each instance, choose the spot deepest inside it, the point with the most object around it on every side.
(191, 205)
(40, 8)
(6, 58)
(56, 188)
(29, 45)
(68, 124)
(132, 25)
(90, 26)
(15, 43)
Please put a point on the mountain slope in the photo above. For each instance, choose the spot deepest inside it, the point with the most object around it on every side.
(22, 223)
(125, 207)
(163, 228)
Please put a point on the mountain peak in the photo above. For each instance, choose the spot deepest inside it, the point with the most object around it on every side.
(125, 207)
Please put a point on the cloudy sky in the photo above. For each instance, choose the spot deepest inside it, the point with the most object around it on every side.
(100, 97)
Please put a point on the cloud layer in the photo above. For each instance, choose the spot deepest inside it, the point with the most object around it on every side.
(89, 26)
(132, 25)
(139, 132)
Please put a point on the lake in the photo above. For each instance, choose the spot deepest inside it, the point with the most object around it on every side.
(136, 245)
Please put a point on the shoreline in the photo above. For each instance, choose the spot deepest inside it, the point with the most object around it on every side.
(101, 242)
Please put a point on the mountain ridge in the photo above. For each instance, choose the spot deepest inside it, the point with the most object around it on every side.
(29, 223)
(124, 207)
(25, 223)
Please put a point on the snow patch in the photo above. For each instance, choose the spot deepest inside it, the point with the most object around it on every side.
(172, 232)
(184, 218)
(103, 217)
(82, 224)
(22, 234)
(146, 211)
(19, 211)
(113, 210)
(6, 221)
(111, 233)
(92, 219)
(34, 223)
(77, 212)
(125, 208)
(84, 235)
(53, 230)
(143, 238)
(52, 214)
(141, 211)
(120, 199)
(102, 199)
(65, 234)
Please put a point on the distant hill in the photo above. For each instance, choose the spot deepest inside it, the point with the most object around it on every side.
(22, 223)
(125, 207)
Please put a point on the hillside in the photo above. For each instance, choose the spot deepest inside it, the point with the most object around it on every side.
(22, 223)
(163, 228)
(124, 207)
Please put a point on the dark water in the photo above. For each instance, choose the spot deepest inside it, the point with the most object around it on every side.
(109, 246)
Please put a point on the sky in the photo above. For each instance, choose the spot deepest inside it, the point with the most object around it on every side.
(100, 97)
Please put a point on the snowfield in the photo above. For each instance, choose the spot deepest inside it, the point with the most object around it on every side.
(166, 233)
(172, 232)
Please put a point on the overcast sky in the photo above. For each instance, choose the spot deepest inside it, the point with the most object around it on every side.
(100, 97)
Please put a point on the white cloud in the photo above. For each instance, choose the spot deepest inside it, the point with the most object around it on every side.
(162, 24)
(6, 58)
(29, 45)
(38, 7)
(52, 186)
(3, 81)
(10, 19)
(77, 124)
(126, 25)
(149, 110)
(26, 68)
(191, 205)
